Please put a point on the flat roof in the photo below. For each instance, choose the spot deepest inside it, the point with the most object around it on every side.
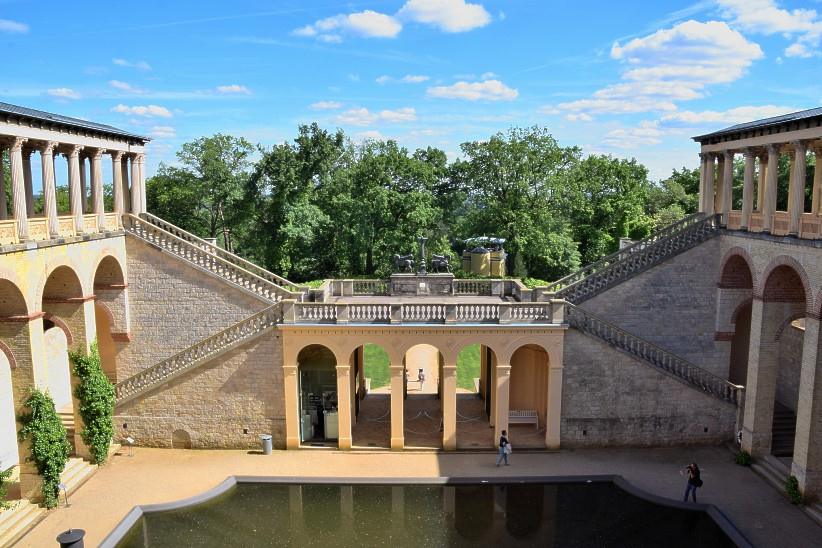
(765, 123)
(10, 110)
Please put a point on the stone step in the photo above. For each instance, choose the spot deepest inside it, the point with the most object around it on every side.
(76, 473)
(815, 512)
(773, 471)
(18, 520)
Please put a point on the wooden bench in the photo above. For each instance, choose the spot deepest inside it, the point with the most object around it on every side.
(523, 416)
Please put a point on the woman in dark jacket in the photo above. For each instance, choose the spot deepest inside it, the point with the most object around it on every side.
(694, 481)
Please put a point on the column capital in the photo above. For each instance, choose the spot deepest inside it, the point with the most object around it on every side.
(47, 147)
(117, 155)
(772, 148)
(728, 155)
(704, 156)
(97, 153)
(73, 151)
(17, 144)
(749, 152)
(799, 145)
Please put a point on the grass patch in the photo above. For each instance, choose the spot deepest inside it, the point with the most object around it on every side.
(376, 366)
(468, 366)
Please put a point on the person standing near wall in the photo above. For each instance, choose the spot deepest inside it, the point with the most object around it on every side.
(694, 480)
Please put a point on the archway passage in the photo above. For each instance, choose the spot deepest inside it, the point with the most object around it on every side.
(735, 291)
(740, 345)
(14, 380)
(317, 390)
(110, 314)
(474, 365)
(372, 409)
(8, 424)
(528, 397)
(422, 410)
(105, 342)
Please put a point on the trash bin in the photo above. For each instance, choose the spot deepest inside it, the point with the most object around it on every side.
(266, 441)
(73, 538)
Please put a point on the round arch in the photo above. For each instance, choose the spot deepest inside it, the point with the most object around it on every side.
(108, 272)
(529, 392)
(62, 284)
(9, 455)
(12, 301)
(784, 263)
(733, 263)
(317, 394)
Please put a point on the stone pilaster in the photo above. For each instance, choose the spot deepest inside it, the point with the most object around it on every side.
(292, 406)
(18, 187)
(75, 187)
(769, 205)
(796, 207)
(449, 407)
(747, 188)
(397, 406)
(503, 381)
(554, 414)
(49, 187)
(807, 454)
(344, 406)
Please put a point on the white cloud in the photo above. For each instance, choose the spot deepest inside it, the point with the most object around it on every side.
(368, 23)
(407, 79)
(447, 15)
(163, 132)
(13, 27)
(764, 17)
(669, 66)
(325, 105)
(63, 93)
(647, 133)
(148, 111)
(234, 88)
(124, 86)
(488, 75)
(581, 117)
(488, 90)
(140, 65)
(361, 116)
(732, 116)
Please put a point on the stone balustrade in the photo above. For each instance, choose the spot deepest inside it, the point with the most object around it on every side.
(551, 312)
(491, 287)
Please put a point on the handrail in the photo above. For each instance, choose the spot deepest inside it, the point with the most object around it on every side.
(222, 253)
(198, 353)
(635, 257)
(262, 287)
(658, 357)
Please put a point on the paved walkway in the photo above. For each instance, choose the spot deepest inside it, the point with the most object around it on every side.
(161, 475)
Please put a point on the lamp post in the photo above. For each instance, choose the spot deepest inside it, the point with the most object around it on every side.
(421, 270)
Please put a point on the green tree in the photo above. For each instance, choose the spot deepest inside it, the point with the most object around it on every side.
(673, 198)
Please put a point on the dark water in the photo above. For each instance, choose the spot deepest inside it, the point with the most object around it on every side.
(546, 515)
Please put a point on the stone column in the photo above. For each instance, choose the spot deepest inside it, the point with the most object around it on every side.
(709, 184)
(816, 195)
(807, 453)
(136, 193)
(554, 414)
(141, 159)
(97, 188)
(27, 182)
(126, 192)
(503, 378)
(719, 177)
(4, 206)
(83, 185)
(49, 187)
(117, 183)
(769, 205)
(18, 188)
(344, 440)
(727, 185)
(747, 189)
(75, 187)
(449, 407)
(796, 207)
(760, 184)
(703, 191)
(397, 406)
(292, 407)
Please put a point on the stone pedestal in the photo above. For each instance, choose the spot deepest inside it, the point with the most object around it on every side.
(416, 285)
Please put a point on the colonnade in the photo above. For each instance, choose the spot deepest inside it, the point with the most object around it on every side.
(760, 186)
(86, 195)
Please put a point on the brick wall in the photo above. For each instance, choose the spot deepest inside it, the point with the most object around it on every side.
(174, 305)
(610, 398)
(790, 366)
(242, 389)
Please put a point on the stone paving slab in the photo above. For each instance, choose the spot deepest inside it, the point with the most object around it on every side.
(763, 515)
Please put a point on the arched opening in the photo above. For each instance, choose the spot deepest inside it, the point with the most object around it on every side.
(105, 342)
(109, 312)
(14, 344)
(58, 369)
(528, 396)
(735, 290)
(319, 416)
(422, 410)
(475, 364)
(371, 420)
(8, 424)
(180, 439)
(740, 345)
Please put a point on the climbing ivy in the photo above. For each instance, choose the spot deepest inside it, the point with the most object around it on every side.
(792, 489)
(96, 398)
(4, 477)
(48, 444)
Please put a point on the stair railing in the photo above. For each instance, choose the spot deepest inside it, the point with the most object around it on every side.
(198, 353)
(659, 358)
(205, 258)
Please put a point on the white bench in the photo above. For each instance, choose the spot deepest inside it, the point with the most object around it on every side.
(523, 416)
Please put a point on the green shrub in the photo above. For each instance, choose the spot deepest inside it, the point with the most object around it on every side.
(743, 458)
(48, 444)
(4, 477)
(96, 398)
(531, 283)
(792, 488)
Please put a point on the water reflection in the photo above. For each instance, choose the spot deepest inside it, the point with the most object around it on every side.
(546, 515)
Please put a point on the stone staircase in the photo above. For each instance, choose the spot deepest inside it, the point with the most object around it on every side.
(647, 352)
(66, 415)
(75, 474)
(211, 258)
(199, 353)
(783, 431)
(630, 261)
(17, 520)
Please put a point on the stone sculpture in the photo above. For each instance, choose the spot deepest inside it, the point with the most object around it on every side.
(440, 263)
(404, 263)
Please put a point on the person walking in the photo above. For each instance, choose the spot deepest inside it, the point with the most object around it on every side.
(504, 448)
(421, 378)
(694, 480)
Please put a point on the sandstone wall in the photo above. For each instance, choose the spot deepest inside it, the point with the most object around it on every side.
(215, 402)
(610, 398)
(174, 305)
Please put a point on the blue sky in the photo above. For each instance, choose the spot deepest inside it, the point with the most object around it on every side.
(632, 78)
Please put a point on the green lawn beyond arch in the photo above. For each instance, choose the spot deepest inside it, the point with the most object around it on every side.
(377, 368)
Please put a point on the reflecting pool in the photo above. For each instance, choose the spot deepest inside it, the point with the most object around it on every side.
(585, 513)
